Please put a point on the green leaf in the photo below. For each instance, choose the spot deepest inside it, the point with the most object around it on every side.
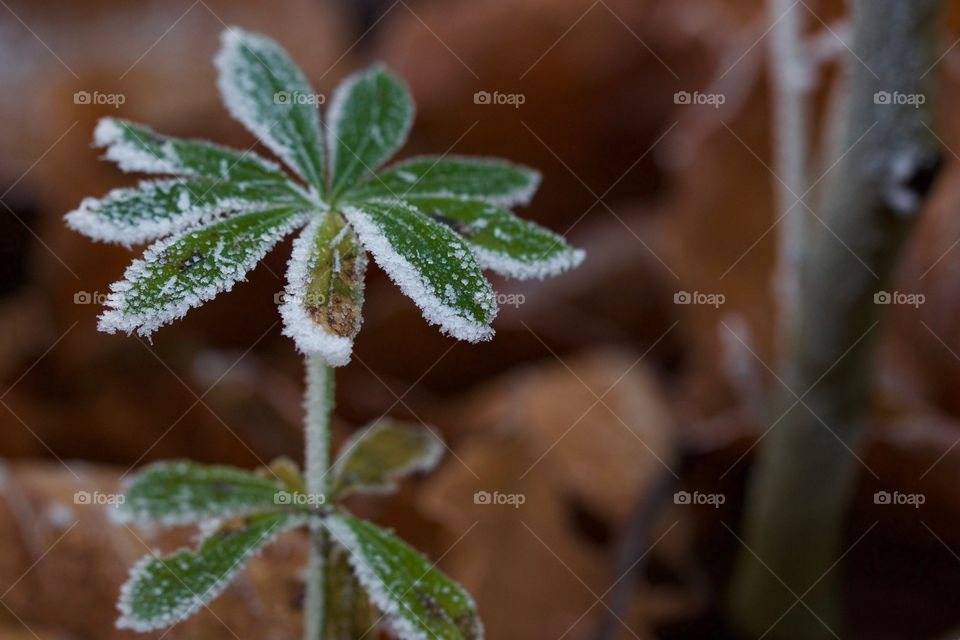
(161, 592)
(419, 602)
(430, 263)
(182, 492)
(349, 613)
(495, 181)
(369, 118)
(501, 241)
(185, 270)
(156, 209)
(324, 293)
(269, 95)
(373, 459)
(137, 148)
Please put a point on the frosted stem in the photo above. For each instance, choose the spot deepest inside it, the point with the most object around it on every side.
(790, 76)
(319, 406)
(807, 470)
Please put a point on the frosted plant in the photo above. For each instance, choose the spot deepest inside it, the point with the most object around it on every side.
(431, 223)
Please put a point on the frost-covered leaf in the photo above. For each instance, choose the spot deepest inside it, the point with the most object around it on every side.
(160, 592)
(182, 492)
(187, 269)
(373, 459)
(369, 118)
(349, 613)
(430, 263)
(267, 92)
(156, 209)
(324, 293)
(501, 241)
(137, 148)
(419, 602)
(496, 181)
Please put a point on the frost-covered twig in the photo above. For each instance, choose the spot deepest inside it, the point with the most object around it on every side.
(791, 77)
(808, 465)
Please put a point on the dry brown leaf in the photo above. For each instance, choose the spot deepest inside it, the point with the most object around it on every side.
(576, 467)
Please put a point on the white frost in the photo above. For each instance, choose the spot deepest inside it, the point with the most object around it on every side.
(379, 593)
(240, 93)
(310, 337)
(407, 169)
(511, 267)
(336, 113)
(115, 319)
(412, 283)
(176, 613)
(374, 571)
(130, 157)
(89, 219)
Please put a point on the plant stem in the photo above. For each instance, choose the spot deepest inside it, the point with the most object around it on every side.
(787, 583)
(318, 403)
(791, 79)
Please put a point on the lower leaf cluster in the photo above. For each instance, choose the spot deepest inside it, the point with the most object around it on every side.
(368, 568)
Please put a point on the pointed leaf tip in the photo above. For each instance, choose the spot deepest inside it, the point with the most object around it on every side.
(369, 118)
(266, 92)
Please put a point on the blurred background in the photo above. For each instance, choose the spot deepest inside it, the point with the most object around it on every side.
(607, 393)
